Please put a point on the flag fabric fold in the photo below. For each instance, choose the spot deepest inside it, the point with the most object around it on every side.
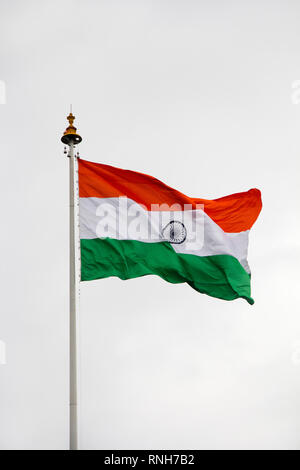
(132, 225)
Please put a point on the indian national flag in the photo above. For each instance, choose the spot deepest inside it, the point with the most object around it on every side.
(132, 224)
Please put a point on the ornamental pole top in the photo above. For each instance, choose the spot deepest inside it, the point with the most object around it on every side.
(70, 135)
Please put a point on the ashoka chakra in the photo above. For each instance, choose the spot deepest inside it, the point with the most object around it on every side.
(174, 232)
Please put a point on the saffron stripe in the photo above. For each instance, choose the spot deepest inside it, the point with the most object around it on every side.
(234, 213)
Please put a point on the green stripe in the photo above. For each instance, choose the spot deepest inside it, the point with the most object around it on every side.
(220, 276)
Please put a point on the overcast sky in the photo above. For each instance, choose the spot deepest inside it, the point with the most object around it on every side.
(200, 95)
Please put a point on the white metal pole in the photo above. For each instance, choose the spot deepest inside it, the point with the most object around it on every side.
(74, 286)
(70, 138)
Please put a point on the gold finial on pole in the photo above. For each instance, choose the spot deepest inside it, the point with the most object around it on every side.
(70, 135)
(71, 120)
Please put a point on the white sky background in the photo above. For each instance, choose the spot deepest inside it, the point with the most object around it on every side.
(198, 94)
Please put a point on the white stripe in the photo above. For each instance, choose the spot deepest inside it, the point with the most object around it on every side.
(124, 219)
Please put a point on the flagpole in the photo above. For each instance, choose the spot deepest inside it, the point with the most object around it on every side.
(71, 138)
